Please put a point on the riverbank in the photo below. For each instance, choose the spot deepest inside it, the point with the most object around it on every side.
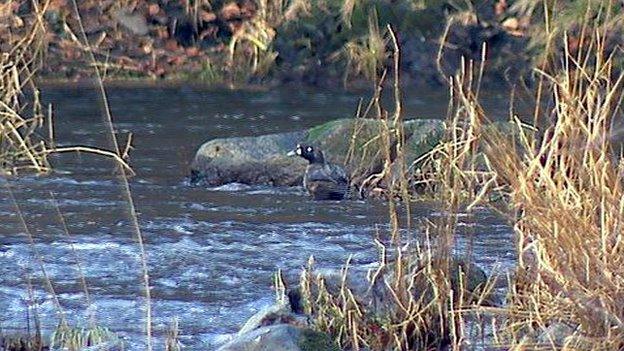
(326, 43)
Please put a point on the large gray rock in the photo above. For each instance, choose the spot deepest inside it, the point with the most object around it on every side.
(134, 22)
(280, 337)
(249, 160)
(353, 143)
(465, 278)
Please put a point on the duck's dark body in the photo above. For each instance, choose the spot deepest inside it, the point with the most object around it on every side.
(326, 181)
(323, 180)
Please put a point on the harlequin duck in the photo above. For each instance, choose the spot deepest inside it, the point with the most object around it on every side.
(323, 180)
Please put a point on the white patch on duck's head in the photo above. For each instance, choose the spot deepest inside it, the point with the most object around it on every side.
(299, 152)
(309, 149)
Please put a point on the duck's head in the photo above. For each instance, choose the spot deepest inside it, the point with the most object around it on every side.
(308, 152)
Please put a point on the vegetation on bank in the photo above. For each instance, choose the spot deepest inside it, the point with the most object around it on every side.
(26, 125)
(317, 42)
(21, 147)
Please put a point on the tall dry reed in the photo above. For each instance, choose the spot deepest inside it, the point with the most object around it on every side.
(415, 297)
(560, 172)
(566, 192)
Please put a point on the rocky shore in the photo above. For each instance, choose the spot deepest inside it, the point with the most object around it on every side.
(246, 41)
(285, 327)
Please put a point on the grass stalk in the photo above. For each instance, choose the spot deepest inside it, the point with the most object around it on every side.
(83, 280)
(46, 277)
(133, 216)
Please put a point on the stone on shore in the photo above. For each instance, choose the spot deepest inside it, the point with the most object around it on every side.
(134, 22)
(277, 328)
(281, 337)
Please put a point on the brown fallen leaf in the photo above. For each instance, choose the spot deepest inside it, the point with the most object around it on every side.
(247, 9)
(171, 45)
(207, 16)
(159, 71)
(6, 10)
(177, 60)
(230, 11)
(162, 32)
(513, 27)
(235, 26)
(56, 5)
(153, 9)
(192, 51)
(209, 32)
(126, 61)
(147, 47)
(511, 23)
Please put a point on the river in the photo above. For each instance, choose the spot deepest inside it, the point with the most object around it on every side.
(211, 253)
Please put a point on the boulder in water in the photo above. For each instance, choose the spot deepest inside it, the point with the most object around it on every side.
(262, 160)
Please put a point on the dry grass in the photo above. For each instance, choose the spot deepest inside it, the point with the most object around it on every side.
(21, 147)
(194, 9)
(20, 342)
(562, 179)
(172, 342)
(417, 296)
(566, 192)
(76, 339)
(561, 183)
(577, 20)
(250, 49)
(368, 55)
(26, 126)
(123, 178)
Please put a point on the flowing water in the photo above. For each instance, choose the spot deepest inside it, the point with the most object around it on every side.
(212, 253)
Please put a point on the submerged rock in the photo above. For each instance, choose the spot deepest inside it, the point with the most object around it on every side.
(557, 335)
(274, 314)
(281, 337)
(349, 142)
(277, 328)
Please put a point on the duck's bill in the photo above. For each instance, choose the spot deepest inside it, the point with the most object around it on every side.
(291, 153)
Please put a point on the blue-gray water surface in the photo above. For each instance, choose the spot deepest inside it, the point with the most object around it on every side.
(212, 253)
